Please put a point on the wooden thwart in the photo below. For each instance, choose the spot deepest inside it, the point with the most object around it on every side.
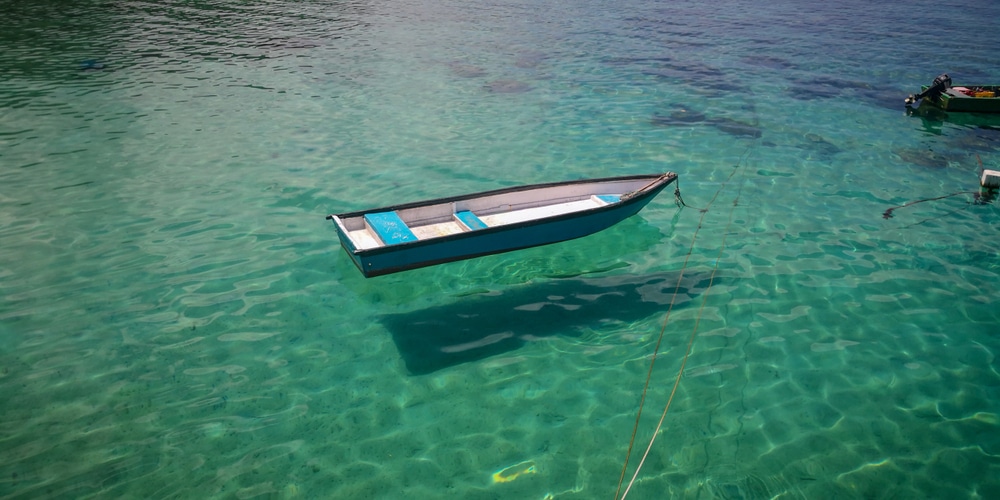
(389, 228)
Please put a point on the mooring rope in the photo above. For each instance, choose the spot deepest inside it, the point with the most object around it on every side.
(680, 201)
(978, 198)
(666, 320)
(888, 213)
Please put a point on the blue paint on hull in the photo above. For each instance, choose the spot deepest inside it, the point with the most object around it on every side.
(493, 240)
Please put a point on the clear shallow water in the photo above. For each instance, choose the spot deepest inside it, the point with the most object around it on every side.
(178, 319)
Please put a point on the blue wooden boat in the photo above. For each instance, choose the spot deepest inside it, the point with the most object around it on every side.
(402, 237)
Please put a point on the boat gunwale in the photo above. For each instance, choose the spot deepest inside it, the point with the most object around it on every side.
(513, 189)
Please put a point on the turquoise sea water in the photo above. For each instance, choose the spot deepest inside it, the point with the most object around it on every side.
(177, 318)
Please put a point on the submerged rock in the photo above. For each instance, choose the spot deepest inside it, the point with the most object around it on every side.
(739, 129)
(684, 116)
(816, 143)
(529, 60)
(467, 70)
(507, 87)
(92, 65)
(923, 157)
(768, 62)
(679, 116)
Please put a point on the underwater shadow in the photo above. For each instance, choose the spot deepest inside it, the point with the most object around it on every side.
(480, 326)
(934, 119)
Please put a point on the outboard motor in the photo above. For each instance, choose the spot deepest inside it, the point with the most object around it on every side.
(941, 84)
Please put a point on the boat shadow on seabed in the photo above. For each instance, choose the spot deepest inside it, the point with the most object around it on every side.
(478, 327)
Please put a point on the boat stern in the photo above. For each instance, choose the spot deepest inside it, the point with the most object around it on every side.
(346, 241)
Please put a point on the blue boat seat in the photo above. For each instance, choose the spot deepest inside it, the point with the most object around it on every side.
(608, 198)
(389, 228)
(470, 220)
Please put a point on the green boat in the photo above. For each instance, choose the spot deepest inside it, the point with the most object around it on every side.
(967, 99)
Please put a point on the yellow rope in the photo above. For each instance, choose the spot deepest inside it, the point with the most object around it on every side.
(649, 375)
(680, 372)
(663, 329)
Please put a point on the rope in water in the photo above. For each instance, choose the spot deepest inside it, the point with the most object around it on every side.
(680, 201)
(666, 320)
(977, 200)
(888, 213)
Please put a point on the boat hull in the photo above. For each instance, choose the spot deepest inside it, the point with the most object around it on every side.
(394, 258)
(956, 101)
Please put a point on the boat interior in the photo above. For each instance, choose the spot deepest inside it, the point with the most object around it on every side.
(977, 92)
(372, 230)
